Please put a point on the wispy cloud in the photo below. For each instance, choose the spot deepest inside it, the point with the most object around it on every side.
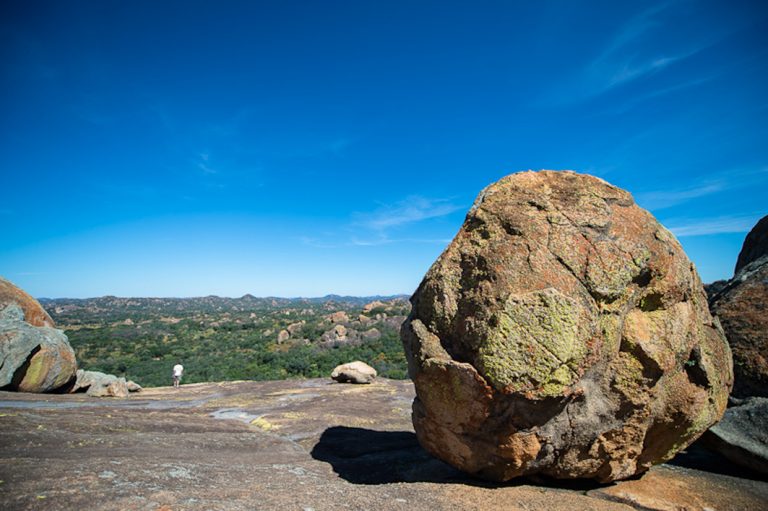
(370, 242)
(203, 164)
(665, 199)
(707, 226)
(633, 102)
(734, 179)
(380, 226)
(412, 209)
(635, 51)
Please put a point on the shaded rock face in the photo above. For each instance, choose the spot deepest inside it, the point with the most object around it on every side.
(563, 331)
(354, 372)
(34, 314)
(742, 435)
(742, 308)
(755, 245)
(32, 358)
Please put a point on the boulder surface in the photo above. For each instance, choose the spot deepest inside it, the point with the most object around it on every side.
(34, 314)
(564, 332)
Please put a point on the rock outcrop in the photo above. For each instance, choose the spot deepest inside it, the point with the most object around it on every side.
(34, 356)
(354, 372)
(755, 245)
(564, 332)
(742, 435)
(742, 307)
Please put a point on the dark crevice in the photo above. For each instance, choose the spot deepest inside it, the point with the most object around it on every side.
(651, 369)
(651, 302)
(693, 369)
(511, 229)
(643, 278)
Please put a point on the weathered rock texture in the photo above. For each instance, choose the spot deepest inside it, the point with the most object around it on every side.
(562, 332)
(34, 314)
(354, 372)
(742, 307)
(34, 356)
(755, 245)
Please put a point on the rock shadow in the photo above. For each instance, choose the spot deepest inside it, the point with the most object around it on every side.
(365, 456)
(699, 456)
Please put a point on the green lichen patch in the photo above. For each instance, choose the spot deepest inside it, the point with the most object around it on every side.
(539, 343)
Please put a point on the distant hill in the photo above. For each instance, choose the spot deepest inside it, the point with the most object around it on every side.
(220, 338)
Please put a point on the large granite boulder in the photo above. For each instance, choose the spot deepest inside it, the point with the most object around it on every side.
(34, 356)
(742, 307)
(564, 332)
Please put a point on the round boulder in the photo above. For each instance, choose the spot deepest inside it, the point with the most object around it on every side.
(354, 372)
(563, 332)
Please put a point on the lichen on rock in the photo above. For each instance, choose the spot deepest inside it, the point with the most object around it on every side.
(563, 331)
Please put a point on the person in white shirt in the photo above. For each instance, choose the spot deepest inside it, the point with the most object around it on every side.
(178, 370)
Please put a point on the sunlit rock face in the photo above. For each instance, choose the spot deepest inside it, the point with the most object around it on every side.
(564, 332)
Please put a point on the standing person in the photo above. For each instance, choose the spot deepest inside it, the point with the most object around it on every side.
(178, 370)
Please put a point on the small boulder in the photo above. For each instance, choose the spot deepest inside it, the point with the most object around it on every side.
(339, 317)
(295, 328)
(335, 334)
(376, 304)
(354, 372)
(283, 336)
(98, 384)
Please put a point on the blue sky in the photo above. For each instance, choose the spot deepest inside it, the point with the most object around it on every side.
(303, 148)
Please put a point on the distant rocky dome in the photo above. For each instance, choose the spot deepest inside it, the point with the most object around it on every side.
(755, 245)
(564, 332)
(741, 304)
(34, 314)
(35, 356)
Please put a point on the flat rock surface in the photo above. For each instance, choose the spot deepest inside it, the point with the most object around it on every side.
(293, 444)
